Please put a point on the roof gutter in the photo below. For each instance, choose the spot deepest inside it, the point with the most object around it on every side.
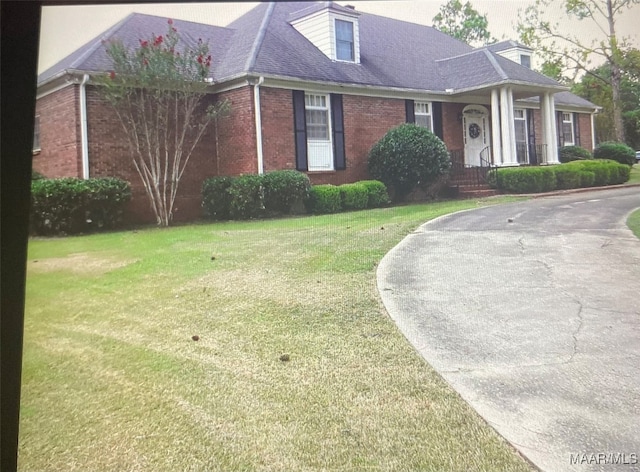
(258, 116)
(84, 140)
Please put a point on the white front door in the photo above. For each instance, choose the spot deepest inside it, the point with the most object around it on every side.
(476, 133)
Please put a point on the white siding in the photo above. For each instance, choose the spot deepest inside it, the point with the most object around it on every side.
(319, 29)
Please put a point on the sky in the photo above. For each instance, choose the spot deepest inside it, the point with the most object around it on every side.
(66, 28)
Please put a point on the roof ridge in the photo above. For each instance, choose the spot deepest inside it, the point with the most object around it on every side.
(494, 63)
(253, 54)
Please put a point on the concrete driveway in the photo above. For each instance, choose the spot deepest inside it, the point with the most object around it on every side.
(531, 311)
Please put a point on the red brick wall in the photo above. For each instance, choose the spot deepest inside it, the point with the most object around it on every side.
(453, 134)
(237, 143)
(110, 156)
(366, 120)
(586, 138)
(60, 154)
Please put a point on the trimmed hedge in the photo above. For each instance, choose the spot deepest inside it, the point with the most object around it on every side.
(216, 199)
(527, 179)
(573, 153)
(378, 195)
(354, 196)
(72, 206)
(285, 191)
(618, 152)
(575, 174)
(325, 199)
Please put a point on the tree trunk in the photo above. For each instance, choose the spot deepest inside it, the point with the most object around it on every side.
(616, 75)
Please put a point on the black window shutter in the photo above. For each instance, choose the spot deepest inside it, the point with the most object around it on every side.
(300, 130)
(410, 111)
(436, 109)
(559, 129)
(337, 120)
(576, 129)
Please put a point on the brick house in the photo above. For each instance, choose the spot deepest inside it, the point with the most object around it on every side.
(312, 86)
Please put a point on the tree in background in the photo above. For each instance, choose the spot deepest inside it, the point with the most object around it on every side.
(159, 93)
(463, 22)
(570, 54)
(598, 91)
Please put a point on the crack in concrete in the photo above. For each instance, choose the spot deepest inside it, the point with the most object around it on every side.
(521, 243)
(575, 334)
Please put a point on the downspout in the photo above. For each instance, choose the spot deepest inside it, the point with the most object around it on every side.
(258, 115)
(593, 131)
(84, 140)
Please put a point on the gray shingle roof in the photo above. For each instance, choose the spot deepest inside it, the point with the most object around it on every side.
(508, 44)
(393, 53)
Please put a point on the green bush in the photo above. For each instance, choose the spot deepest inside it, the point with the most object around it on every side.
(567, 177)
(285, 191)
(606, 171)
(618, 152)
(324, 199)
(72, 206)
(354, 196)
(407, 156)
(586, 178)
(573, 153)
(527, 179)
(35, 175)
(216, 199)
(247, 197)
(378, 195)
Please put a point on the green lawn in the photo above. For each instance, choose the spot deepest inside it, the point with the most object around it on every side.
(634, 178)
(634, 222)
(113, 381)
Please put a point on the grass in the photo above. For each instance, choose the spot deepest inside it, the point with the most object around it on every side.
(112, 379)
(634, 178)
(633, 222)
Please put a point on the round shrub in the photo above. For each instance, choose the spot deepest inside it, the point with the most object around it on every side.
(618, 152)
(247, 197)
(354, 196)
(285, 191)
(216, 199)
(573, 153)
(407, 156)
(324, 199)
(378, 195)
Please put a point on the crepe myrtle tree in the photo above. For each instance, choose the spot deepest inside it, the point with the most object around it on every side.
(158, 91)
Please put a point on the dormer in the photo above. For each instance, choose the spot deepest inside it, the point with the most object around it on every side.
(331, 28)
(514, 51)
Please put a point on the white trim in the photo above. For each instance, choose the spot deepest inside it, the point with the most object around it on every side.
(573, 131)
(593, 131)
(429, 113)
(495, 127)
(258, 117)
(320, 143)
(84, 138)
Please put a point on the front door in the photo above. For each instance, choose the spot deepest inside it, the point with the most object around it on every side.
(475, 120)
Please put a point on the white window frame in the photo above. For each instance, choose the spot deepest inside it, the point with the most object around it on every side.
(36, 135)
(353, 39)
(423, 109)
(522, 118)
(568, 121)
(527, 56)
(315, 142)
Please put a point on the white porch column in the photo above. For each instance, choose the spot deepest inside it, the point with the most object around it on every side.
(549, 125)
(504, 127)
(495, 128)
(544, 113)
(512, 127)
